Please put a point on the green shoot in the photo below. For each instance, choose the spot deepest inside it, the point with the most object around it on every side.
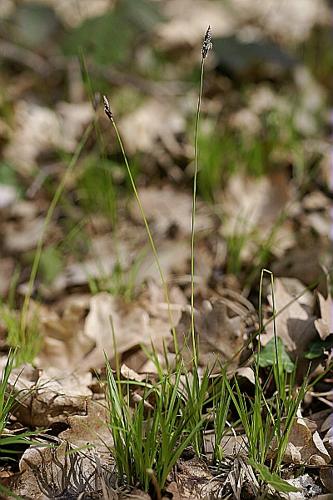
(25, 342)
(207, 44)
(150, 439)
(220, 404)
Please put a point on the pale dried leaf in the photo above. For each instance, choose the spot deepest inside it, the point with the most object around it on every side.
(48, 397)
(152, 122)
(305, 445)
(39, 129)
(324, 325)
(293, 323)
(169, 210)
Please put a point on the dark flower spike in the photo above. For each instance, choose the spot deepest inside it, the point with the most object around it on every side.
(107, 109)
(207, 43)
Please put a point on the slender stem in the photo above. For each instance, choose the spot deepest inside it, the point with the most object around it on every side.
(150, 237)
(194, 201)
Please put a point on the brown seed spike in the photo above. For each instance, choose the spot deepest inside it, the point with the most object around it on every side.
(107, 109)
(207, 43)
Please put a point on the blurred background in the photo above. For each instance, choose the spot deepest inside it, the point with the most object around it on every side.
(263, 185)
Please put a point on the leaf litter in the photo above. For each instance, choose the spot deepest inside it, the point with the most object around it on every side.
(105, 298)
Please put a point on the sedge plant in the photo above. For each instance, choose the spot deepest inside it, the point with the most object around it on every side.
(149, 439)
(267, 421)
(8, 400)
(174, 411)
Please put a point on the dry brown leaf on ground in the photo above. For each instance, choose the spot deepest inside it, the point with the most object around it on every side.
(52, 472)
(48, 397)
(90, 429)
(324, 324)
(169, 211)
(294, 323)
(173, 257)
(39, 129)
(64, 341)
(222, 329)
(305, 261)
(253, 207)
(130, 324)
(187, 20)
(254, 203)
(193, 480)
(305, 445)
(231, 444)
(80, 333)
(151, 123)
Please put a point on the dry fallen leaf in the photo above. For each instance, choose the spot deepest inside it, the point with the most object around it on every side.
(252, 207)
(55, 472)
(186, 20)
(305, 445)
(64, 341)
(90, 429)
(50, 397)
(324, 324)
(294, 323)
(130, 324)
(153, 122)
(193, 480)
(169, 211)
(251, 203)
(39, 129)
(222, 329)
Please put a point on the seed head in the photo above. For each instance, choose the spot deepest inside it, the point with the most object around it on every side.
(207, 43)
(107, 109)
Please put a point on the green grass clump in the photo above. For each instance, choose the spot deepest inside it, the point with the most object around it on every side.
(27, 341)
(8, 397)
(121, 283)
(149, 439)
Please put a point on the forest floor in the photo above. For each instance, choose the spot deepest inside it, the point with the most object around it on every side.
(152, 347)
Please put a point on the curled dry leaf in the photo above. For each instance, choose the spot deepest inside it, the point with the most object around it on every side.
(253, 207)
(151, 123)
(49, 397)
(130, 324)
(324, 324)
(187, 20)
(90, 429)
(39, 129)
(221, 329)
(60, 472)
(170, 211)
(294, 323)
(305, 445)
